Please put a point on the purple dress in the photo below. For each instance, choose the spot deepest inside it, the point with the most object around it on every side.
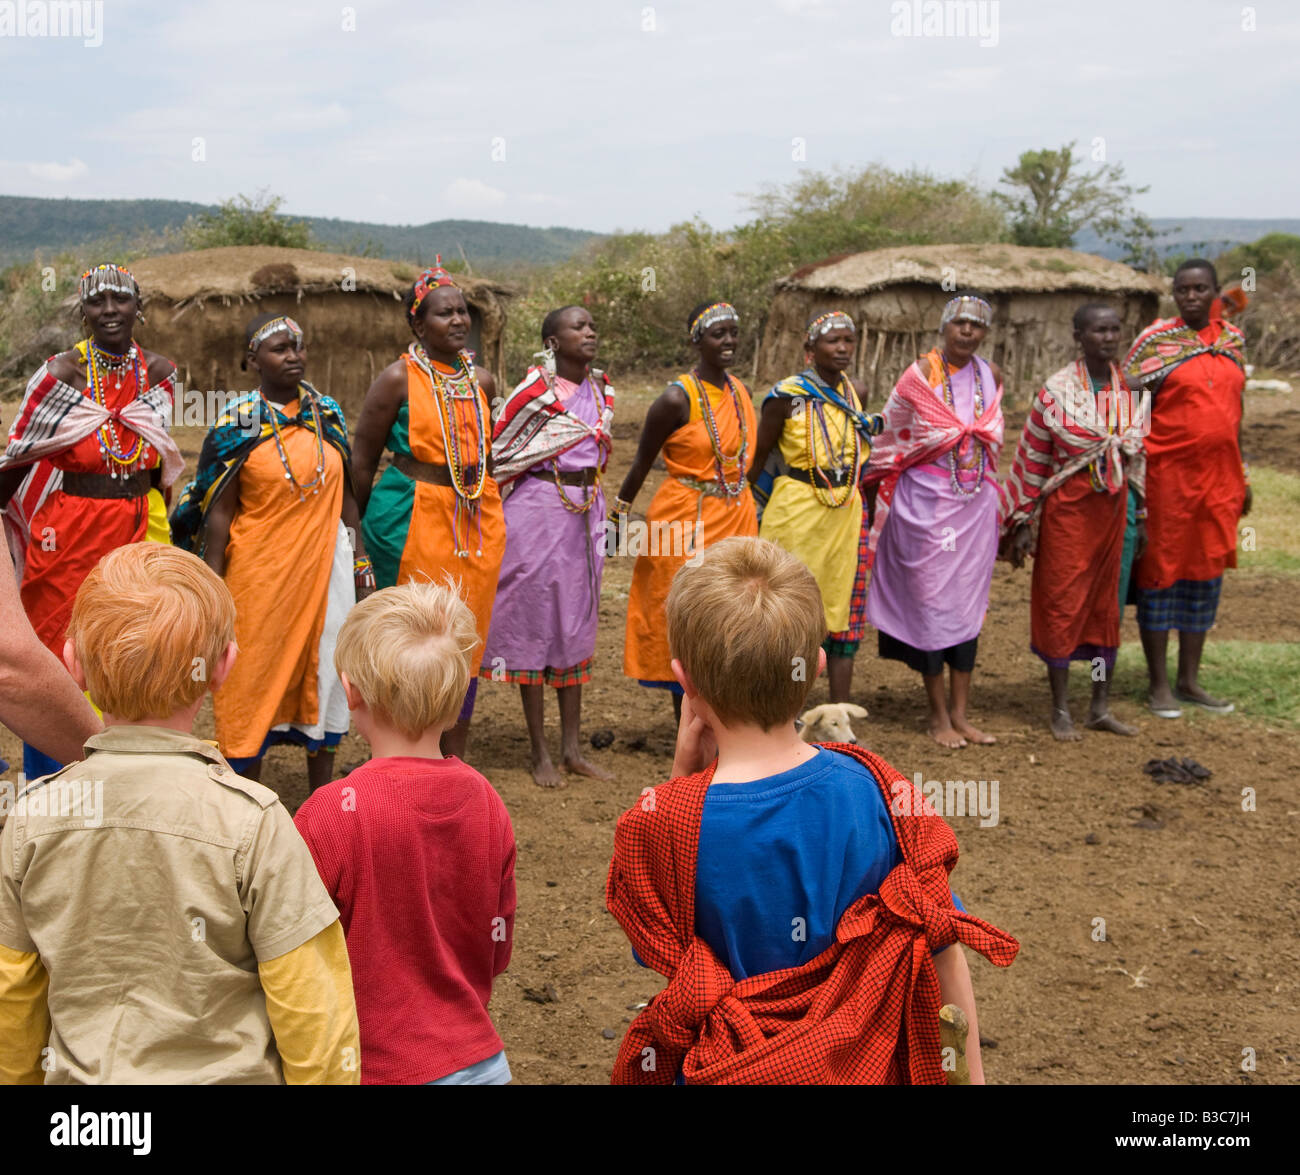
(548, 596)
(935, 556)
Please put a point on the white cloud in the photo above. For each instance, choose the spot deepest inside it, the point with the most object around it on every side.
(472, 195)
(58, 173)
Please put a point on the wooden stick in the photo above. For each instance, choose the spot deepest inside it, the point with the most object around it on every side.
(953, 1027)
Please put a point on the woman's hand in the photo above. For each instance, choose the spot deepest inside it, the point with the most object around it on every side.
(1021, 543)
(1140, 549)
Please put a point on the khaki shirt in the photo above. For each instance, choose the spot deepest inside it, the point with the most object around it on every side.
(152, 879)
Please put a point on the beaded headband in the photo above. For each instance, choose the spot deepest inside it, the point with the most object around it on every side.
(969, 308)
(824, 323)
(430, 279)
(108, 277)
(710, 316)
(274, 327)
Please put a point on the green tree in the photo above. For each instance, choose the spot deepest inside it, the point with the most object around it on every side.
(246, 220)
(1053, 195)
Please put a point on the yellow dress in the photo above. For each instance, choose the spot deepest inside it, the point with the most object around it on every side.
(823, 537)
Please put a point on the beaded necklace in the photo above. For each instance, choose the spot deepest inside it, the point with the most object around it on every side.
(721, 460)
(1099, 470)
(448, 396)
(977, 413)
(98, 364)
(827, 495)
(588, 498)
(316, 482)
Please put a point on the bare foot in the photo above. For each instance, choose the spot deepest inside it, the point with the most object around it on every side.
(545, 775)
(1108, 721)
(575, 764)
(1063, 727)
(945, 736)
(972, 734)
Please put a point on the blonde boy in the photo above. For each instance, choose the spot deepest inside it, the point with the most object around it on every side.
(771, 871)
(416, 849)
(160, 919)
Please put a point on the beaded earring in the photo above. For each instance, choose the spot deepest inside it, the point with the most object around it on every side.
(547, 356)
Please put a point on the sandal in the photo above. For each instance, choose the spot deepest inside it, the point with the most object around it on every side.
(1215, 708)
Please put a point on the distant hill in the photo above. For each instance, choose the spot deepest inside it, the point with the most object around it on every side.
(1204, 235)
(31, 223)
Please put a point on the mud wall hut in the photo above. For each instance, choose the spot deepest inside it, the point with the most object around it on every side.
(350, 308)
(896, 297)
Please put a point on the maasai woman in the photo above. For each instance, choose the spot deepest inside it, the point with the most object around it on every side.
(88, 455)
(1198, 483)
(436, 512)
(703, 422)
(272, 510)
(550, 444)
(818, 438)
(1080, 457)
(934, 533)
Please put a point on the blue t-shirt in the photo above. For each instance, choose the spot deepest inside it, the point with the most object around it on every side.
(782, 858)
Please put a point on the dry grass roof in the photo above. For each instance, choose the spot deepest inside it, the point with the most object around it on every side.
(249, 272)
(985, 268)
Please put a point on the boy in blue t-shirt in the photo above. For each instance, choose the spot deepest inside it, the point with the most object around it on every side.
(791, 835)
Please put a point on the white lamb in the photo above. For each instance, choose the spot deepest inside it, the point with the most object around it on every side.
(829, 723)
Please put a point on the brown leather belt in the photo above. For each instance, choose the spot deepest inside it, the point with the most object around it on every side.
(570, 477)
(101, 485)
(438, 475)
(837, 478)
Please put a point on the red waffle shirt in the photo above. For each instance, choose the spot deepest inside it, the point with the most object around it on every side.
(419, 857)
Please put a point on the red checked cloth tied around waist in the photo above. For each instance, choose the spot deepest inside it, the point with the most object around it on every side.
(863, 1012)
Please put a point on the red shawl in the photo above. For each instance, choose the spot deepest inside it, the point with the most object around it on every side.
(864, 1011)
(534, 426)
(920, 428)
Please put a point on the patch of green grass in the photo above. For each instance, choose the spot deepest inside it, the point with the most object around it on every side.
(1268, 539)
(1262, 677)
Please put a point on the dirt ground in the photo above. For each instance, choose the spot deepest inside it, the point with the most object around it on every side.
(1197, 969)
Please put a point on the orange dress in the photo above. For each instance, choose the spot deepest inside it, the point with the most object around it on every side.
(279, 560)
(430, 549)
(679, 514)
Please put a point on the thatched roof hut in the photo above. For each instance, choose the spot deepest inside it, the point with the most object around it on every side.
(197, 304)
(896, 297)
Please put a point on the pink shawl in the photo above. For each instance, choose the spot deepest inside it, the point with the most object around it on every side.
(920, 428)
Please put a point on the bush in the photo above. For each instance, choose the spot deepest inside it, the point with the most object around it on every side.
(640, 287)
(1265, 256)
(246, 220)
(1271, 323)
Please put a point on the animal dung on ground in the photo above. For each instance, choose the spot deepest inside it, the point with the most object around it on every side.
(1171, 770)
(600, 739)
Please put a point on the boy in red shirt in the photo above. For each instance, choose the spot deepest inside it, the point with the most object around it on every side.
(416, 849)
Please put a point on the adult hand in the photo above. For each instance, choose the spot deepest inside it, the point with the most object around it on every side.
(1250, 501)
(696, 745)
(1141, 547)
(1021, 542)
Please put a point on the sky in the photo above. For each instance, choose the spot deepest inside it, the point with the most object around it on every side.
(606, 114)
